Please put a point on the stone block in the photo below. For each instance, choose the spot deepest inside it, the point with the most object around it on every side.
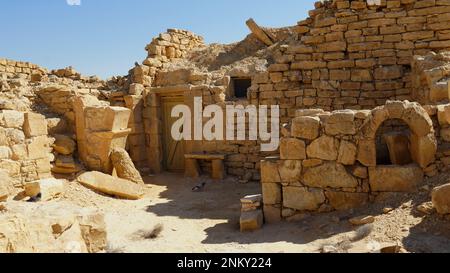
(13, 119)
(325, 148)
(292, 149)
(112, 186)
(346, 200)
(395, 178)
(305, 127)
(329, 175)
(271, 193)
(64, 145)
(269, 171)
(251, 220)
(303, 199)
(34, 125)
(441, 199)
(347, 153)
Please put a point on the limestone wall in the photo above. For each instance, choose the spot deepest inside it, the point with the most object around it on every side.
(328, 160)
(349, 55)
(25, 148)
(16, 67)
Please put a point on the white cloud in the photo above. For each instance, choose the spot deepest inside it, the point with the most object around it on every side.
(73, 2)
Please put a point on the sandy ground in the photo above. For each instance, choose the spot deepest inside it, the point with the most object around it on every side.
(209, 221)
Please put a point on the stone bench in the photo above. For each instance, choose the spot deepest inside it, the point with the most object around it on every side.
(192, 165)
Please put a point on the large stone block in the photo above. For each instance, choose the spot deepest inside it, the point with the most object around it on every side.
(272, 214)
(303, 199)
(325, 148)
(341, 122)
(423, 149)
(395, 178)
(290, 171)
(13, 119)
(269, 171)
(34, 125)
(346, 200)
(329, 175)
(111, 185)
(292, 149)
(271, 193)
(441, 199)
(39, 147)
(347, 153)
(305, 127)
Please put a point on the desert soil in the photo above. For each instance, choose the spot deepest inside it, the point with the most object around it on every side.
(208, 221)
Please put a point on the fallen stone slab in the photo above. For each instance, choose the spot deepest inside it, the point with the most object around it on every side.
(124, 166)
(111, 185)
(441, 199)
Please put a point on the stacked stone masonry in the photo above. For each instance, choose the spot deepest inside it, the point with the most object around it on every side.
(328, 160)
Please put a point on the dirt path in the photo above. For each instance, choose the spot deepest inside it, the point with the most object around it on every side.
(209, 222)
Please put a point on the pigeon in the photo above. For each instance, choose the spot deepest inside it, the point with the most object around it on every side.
(199, 187)
(36, 198)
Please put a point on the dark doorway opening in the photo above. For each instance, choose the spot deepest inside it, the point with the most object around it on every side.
(239, 87)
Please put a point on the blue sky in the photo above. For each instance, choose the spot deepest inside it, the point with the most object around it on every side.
(106, 37)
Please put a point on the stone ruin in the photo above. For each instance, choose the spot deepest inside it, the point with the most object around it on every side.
(362, 88)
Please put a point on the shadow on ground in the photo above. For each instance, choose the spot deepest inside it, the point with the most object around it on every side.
(220, 201)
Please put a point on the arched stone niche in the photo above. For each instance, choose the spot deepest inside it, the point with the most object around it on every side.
(423, 140)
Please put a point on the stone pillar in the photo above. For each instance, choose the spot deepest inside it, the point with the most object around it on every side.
(99, 130)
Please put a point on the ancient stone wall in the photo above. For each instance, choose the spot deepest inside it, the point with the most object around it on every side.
(24, 68)
(328, 160)
(25, 148)
(351, 55)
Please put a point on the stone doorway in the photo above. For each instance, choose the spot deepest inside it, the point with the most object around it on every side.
(173, 151)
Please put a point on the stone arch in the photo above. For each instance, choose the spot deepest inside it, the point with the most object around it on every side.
(423, 140)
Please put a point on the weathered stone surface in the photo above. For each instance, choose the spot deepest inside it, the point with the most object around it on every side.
(269, 171)
(341, 122)
(330, 175)
(251, 220)
(271, 193)
(34, 125)
(423, 149)
(290, 171)
(305, 127)
(292, 149)
(395, 178)
(5, 185)
(51, 227)
(124, 166)
(347, 153)
(110, 185)
(325, 148)
(272, 214)
(345, 200)
(13, 119)
(64, 145)
(441, 199)
(303, 199)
